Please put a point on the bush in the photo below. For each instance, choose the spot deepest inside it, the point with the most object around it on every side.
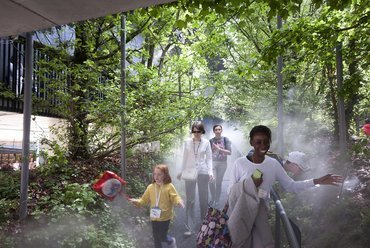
(10, 184)
(365, 225)
(8, 209)
(66, 212)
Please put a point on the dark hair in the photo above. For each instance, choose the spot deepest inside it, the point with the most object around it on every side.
(164, 169)
(217, 125)
(367, 121)
(260, 129)
(198, 125)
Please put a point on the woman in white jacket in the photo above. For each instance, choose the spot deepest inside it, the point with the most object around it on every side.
(197, 156)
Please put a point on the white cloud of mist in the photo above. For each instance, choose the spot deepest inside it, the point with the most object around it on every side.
(315, 139)
(74, 228)
(134, 221)
(240, 147)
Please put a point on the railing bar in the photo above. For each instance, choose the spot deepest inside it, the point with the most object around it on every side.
(292, 239)
(277, 228)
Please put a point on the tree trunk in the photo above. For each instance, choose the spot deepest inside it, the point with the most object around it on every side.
(341, 112)
(332, 92)
(354, 82)
(78, 131)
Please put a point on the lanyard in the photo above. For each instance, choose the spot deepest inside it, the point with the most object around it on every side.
(157, 196)
(196, 152)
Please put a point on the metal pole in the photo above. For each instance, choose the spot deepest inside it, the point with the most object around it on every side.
(27, 108)
(292, 239)
(277, 228)
(123, 95)
(280, 128)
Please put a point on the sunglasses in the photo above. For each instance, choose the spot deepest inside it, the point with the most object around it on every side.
(196, 131)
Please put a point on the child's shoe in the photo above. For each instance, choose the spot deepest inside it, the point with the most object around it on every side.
(173, 243)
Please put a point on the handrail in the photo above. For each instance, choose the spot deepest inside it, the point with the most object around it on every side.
(281, 214)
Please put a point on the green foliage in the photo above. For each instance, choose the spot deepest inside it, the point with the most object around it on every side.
(341, 217)
(8, 209)
(9, 184)
(6, 241)
(5, 92)
(75, 218)
(360, 148)
(166, 76)
(58, 157)
(69, 215)
(64, 230)
(78, 197)
(365, 224)
(324, 226)
(57, 160)
(306, 43)
(282, 8)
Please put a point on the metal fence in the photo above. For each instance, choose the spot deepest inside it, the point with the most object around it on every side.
(12, 61)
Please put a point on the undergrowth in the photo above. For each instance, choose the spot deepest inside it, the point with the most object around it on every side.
(64, 211)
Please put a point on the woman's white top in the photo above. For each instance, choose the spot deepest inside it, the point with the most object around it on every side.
(272, 171)
(197, 154)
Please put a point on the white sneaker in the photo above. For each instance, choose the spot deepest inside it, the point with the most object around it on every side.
(188, 232)
(173, 243)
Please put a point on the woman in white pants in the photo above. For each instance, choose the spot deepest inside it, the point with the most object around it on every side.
(197, 156)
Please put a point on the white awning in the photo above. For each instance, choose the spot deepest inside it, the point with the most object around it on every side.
(20, 16)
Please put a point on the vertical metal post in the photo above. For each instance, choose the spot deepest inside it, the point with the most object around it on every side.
(27, 108)
(341, 110)
(280, 128)
(123, 95)
(277, 228)
(292, 239)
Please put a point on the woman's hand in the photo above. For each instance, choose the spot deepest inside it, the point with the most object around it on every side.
(211, 178)
(215, 147)
(257, 181)
(329, 179)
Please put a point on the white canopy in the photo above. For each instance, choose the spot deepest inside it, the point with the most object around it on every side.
(20, 16)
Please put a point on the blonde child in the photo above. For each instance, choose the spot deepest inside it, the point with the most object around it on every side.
(161, 196)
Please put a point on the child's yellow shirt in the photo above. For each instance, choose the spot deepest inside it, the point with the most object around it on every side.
(168, 199)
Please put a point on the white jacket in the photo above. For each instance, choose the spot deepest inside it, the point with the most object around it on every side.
(242, 212)
(198, 155)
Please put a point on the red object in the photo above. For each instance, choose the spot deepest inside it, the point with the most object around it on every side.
(109, 185)
(366, 129)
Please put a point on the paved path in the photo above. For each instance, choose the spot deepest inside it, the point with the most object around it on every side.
(178, 228)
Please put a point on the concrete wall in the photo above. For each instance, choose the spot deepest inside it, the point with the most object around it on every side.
(11, 129)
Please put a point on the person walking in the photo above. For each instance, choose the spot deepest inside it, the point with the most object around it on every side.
(161, 196)
(196, 169)
(221, 148)
(252, 178)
